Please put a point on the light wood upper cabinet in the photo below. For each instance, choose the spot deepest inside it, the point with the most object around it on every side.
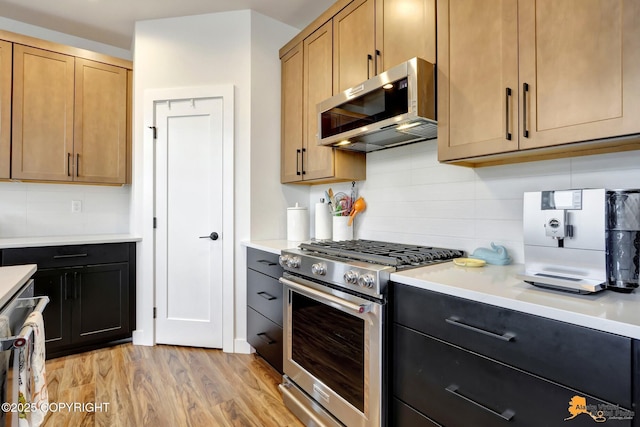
(372, 36)
(318, 86)
(477, 67)
(581, 62)
(291, 115)
(307, 79)
(69, 118)
(100, 131)
(354, 45)
(405, 29)
(518, 75)
(5, 108)
(43, 97)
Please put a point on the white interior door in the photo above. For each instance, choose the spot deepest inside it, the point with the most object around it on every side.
(189, 194)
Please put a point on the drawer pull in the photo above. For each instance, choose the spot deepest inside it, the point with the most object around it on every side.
(267, 263)
(69, 256)
(507, 336)
(267, 296)
(264, 337)
(506, 415)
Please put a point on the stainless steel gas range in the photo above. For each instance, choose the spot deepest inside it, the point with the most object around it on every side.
(334, 311)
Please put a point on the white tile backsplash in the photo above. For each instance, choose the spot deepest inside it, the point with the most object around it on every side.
(412, 198)
(32, 209)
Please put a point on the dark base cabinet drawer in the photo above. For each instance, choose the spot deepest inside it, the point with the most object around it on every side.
(456, 387)
(67, 256)
(596, 362)
(266, 337)
(264, 294)
(405, 416)
(264, 262)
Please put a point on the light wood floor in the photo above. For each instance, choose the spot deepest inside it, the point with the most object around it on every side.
(167, 386)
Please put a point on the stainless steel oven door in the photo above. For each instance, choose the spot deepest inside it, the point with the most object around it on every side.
(333, 350)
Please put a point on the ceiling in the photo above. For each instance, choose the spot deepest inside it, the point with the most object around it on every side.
(112, 21)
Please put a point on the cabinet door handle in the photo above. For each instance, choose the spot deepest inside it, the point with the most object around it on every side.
(298, 154)
(76, 285)
(68, 164)
(267, 262)
(66, 286)
(369, 61)
(264, 337)
(508, 118)
(69, 256)
(378, 61)
(304, 150)
(266, 296)
(506, 415)
(507, 336)
(525, 91)
(77, 164)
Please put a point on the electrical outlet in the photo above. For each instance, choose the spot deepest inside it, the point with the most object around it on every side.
(76, 206)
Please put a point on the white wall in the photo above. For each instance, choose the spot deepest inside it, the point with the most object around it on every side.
(57, 37)
(237, 48)
(28, 210)
(411, 198)
(269, 199)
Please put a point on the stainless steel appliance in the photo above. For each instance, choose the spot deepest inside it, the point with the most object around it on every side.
(394, 108)
(581, 240)
(12, 318)
(334, 312)
(623, 239)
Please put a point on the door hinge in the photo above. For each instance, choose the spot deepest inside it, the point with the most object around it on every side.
(155, 222)
(155, 312)
(155, 131)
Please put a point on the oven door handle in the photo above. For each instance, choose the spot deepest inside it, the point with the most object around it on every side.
(358, 308)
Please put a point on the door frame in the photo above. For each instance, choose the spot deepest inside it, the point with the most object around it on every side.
(146, 291)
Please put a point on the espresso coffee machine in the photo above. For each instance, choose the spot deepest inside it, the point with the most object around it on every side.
(583, 240)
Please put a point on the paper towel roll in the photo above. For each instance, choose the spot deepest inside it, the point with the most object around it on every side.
(324, 227)
(298, 224)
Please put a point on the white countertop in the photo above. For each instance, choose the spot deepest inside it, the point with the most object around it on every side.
(608, 311)
(12, 279)
(273, 246)
(28, 242)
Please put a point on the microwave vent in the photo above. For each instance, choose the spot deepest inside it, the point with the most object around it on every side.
(425, 130)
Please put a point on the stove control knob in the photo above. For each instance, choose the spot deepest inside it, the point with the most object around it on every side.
(366, 281)
(294, 262)
(351, 277)
(319, 269)
(282, 260)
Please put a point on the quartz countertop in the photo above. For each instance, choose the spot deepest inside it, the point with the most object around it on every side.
(29, 242)
(273, 246)
(12, 279)
(607, 310)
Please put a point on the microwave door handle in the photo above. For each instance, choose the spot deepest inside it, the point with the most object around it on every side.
(328, 298)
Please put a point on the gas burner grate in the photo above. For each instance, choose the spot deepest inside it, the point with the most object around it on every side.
(393, 254)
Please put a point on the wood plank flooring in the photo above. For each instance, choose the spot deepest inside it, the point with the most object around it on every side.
(166, 386)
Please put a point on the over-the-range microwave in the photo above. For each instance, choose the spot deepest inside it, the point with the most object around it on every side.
(394, 108)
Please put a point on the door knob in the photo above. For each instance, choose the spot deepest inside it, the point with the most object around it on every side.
(212, 236)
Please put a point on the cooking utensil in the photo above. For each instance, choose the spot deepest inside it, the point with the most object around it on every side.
(343, 204)
(358, 206)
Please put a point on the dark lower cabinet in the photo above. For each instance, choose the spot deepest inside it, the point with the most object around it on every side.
(91, 290)
(456, 362)
(265, 306)
(57, 317)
